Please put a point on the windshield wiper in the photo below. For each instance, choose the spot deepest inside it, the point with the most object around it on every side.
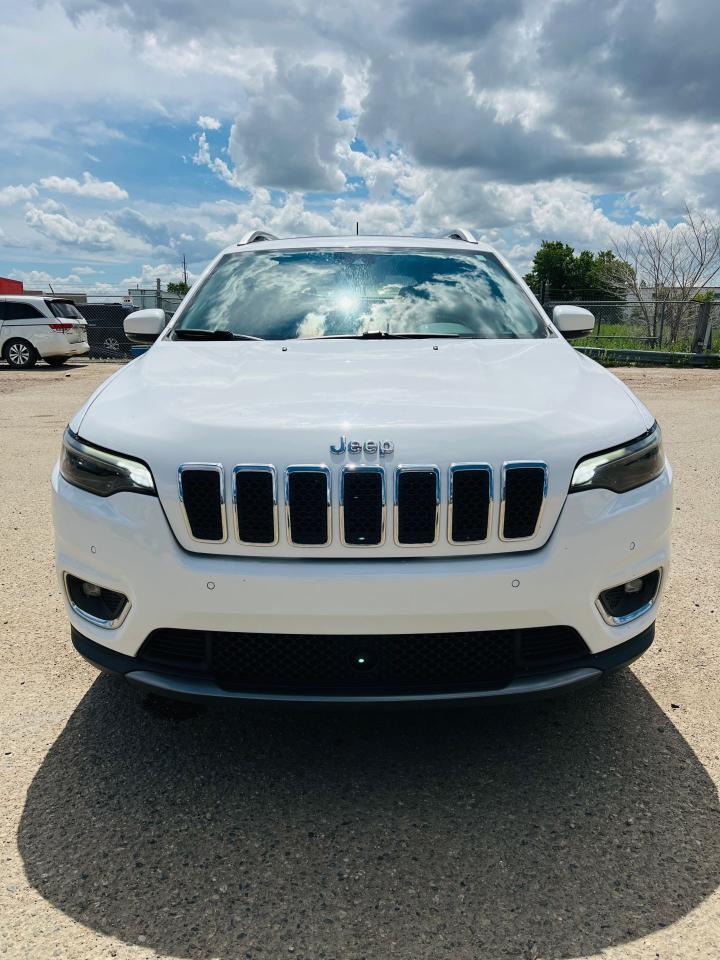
(383, 335)
(195, 333)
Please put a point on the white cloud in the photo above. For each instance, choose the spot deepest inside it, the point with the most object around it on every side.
(92, 233)
(10, 195)
(208, 123)
(90, 186)
(203, 158)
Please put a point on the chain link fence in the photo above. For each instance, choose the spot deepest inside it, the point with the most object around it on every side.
(676, 326)
(105, 313)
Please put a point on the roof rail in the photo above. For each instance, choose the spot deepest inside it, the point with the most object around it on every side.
(253, 236)
(461, 234)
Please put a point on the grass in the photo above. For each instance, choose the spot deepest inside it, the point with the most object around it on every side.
(630, 338)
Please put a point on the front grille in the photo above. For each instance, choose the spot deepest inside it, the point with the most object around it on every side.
(524, 490)
(415, 521)
(469, 498)
(201, 492)
(417, 497)
(469, 660)
(362, 499)
(307, 495)
(256, 505)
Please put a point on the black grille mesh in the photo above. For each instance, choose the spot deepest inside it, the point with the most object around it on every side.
(307, 499)
(363, 507)
(471, 505)
(255, 495)
(523, 500)
(417, 506)
(386, 662)
(203, 503)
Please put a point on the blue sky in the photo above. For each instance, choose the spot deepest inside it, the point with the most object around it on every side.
(133, 133)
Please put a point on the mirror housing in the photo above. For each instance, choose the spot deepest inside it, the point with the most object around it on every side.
(573, 321)
(144, 326)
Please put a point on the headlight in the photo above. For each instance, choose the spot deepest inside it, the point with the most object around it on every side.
(102, 472)
(622, 468)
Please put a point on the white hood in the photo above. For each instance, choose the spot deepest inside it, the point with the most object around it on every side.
(438, 402)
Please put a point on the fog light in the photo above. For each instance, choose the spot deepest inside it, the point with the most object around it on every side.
(634, 586)
(96, 604)
(629, 600)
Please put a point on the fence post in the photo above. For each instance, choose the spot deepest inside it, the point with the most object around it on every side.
(158, 294)
(702, 319)
(662, 324)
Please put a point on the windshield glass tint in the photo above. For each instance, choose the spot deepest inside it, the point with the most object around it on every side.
(63, 309)
(322, 293)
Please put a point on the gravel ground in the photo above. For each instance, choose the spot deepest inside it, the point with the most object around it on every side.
(583, 827)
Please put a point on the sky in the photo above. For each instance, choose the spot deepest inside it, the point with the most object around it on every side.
(134, 132)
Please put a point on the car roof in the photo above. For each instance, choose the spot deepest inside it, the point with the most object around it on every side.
(362, 242)
(27, 297)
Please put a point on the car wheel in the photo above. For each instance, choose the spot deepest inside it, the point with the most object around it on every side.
(55, 361)
(20, 354)
(111, 344)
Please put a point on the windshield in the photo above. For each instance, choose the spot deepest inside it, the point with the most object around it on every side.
(294, 294)
(64, 308)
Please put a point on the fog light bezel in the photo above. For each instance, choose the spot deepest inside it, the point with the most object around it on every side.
(106, 624)
(641, 610)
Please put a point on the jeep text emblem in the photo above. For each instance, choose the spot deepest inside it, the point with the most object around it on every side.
(384, 447)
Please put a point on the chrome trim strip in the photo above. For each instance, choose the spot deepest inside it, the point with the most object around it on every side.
(416, 468)
(520, 465)
(217, 468)
(459, 467)
(362, 468)
(308, 468)
(97, 621)
(636, 614)
(256, 468)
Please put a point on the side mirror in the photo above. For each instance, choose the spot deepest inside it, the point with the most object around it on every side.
(573, 321)
(144, 326)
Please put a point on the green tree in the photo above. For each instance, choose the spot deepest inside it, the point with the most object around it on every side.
(178, 288)
(585, 276)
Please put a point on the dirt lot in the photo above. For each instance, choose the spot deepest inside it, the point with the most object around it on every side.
(585, 827)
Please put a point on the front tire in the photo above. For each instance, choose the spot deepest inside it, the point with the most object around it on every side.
(20, 354)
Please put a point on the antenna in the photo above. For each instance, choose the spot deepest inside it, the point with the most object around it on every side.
(357, 228)
(184, 270)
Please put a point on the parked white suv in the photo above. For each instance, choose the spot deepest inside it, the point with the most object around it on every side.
(40, 328)
(361, 470)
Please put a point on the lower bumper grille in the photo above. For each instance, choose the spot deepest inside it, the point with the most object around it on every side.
(469, 660)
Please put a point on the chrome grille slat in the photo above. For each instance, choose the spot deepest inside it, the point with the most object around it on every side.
(415, 513)
(362, 506)
(472, 520)
(255, 504)
(524, 491)
(308, 505)
(201, 487)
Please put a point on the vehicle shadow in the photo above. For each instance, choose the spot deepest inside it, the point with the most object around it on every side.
(542, 830)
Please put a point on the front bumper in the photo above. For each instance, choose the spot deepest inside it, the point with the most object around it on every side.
(149, 679)
(124, 543)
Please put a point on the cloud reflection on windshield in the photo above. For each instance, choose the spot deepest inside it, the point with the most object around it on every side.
(280, 295)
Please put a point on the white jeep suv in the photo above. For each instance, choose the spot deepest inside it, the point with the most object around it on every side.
(361, 470)
(40, 328)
